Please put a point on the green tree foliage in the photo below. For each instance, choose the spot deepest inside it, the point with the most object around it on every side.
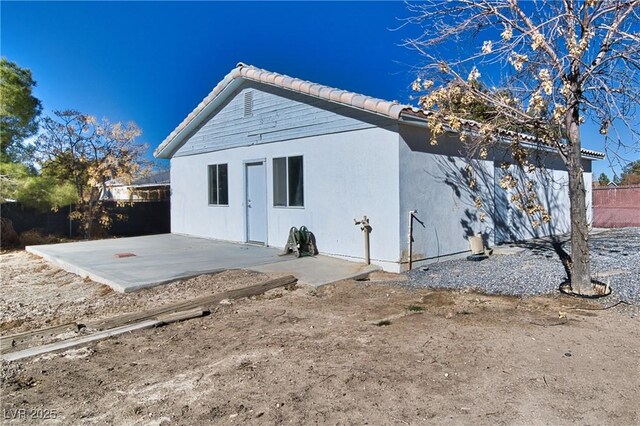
(77, 149)
(631, 174)
(20, 183)
(19, 109)
(603, 179)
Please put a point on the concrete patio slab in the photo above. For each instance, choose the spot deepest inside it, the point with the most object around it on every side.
(318, 270)
(129, 264)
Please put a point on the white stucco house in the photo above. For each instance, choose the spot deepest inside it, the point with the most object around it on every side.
(153, 187)
(264, 152)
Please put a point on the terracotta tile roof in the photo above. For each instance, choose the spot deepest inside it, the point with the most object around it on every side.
(392, 110)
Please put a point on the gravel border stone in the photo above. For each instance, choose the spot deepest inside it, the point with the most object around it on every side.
(533, 268)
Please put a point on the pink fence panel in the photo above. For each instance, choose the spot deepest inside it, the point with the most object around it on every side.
(616, 206)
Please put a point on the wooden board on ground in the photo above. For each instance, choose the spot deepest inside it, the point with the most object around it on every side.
(16, 341)
(182, 315)
(77, 341)
(203, 301)
(154, 317)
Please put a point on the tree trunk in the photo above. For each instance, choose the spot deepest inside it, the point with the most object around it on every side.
(89, 219)
(580, 267)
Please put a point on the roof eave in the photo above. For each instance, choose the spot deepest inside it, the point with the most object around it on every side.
(169, 145)
(418, 117)
(593, 155)
(242, 72)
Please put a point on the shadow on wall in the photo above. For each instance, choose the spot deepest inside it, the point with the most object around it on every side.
(472, 184)
(498, 214)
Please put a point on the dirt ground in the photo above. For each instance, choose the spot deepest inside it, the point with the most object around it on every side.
(348, 353)
(36, 294)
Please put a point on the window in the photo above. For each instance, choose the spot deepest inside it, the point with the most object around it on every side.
(288, 182)
(218, 185)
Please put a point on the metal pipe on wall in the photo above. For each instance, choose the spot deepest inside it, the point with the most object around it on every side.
(411, 213)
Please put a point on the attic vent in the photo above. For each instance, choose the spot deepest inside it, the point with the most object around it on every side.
(248, 104)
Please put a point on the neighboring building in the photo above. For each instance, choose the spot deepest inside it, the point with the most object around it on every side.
(154, 187)
(264, 152)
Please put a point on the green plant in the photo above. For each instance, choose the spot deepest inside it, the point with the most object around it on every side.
(19, 110)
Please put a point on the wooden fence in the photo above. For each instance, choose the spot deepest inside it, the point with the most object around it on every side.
(152, 217)
(616, 206)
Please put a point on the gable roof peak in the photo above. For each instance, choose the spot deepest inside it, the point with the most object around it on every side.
(245, 72)
(242, 72)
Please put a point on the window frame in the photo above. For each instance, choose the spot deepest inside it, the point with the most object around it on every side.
(287, 182)
(210, 184)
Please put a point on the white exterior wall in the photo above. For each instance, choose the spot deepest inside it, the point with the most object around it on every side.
(588, 183)
(552, 189)
(434, 181)
(355, 163)
(346, 175)
(120, 193)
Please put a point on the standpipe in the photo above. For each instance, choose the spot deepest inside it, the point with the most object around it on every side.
(364, 222)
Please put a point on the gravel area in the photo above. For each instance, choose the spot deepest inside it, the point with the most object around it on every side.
(534, 268)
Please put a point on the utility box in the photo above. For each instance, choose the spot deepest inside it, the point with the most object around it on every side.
(476, 244)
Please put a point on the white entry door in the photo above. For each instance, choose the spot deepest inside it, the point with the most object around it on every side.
(256, 202)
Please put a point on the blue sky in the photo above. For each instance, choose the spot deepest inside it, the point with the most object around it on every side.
(153, 62)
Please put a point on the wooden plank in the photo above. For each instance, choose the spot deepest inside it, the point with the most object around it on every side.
(9, 343)
(182, 315)
(77, 341)
(161, 315)
(151, 318)
(203, 301)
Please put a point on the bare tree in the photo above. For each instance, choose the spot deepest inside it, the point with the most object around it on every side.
(79, 149)
(549, 65)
